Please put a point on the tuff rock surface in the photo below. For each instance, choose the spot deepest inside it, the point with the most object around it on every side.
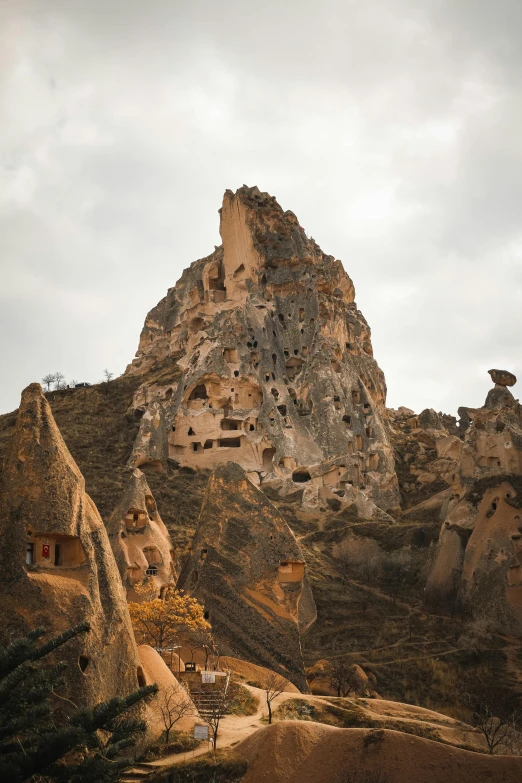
(478, 557)
(140, 541)
(249, 571)
(58, 569)
(278, 368)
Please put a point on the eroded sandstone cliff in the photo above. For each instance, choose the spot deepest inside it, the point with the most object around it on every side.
(278, 369)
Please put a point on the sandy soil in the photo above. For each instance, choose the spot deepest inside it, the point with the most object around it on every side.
(297, 751)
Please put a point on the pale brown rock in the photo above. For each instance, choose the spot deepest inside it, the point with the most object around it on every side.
(47, 517)
(249, 572)
(278, 368)
(502, 377)
(139, 539)
(477, 559)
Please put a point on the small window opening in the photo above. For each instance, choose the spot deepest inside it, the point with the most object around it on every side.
(208, 444)
(29, 553)
(142, 682)
(301, 476)
(199, 392)
(57, 555)
(231, 443)
(347, 420)
(191, 431)
(83, 662)
(152, 570)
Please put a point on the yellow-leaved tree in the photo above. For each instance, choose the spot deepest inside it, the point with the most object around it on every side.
(161, 622)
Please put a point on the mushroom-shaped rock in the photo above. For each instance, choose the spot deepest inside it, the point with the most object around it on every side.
(502, 377)
(56, 564)
(139, 539)
(249, 572)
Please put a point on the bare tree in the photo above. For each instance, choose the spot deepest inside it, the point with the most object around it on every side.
(497, 721)
(273, 684)
(48, 379)
(174, 704)
(59, 380)
(346, 677)
(476, 637)
(358, 558)
(221, 702)
(108, 376)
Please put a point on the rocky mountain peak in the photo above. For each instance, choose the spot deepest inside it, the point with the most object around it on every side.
(277, 365)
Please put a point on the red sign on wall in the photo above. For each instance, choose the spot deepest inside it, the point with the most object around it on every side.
(46, 550)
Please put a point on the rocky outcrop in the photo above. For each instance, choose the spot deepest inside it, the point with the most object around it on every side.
(427, 452)
(278, 367)
(56, 565)
(477, 559)
(248, 570)
(139, 539)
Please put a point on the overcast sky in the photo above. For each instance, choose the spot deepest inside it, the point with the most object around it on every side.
(392, 128)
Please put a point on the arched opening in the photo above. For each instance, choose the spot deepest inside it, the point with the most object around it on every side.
(268, 456)
(83, 662)
(199, 392)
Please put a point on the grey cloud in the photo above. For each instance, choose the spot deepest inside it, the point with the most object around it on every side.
(390, 128)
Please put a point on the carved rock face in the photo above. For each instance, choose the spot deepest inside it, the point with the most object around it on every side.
(278, 371)
(479, 555)
(139, 539)
(248, 570)
(56, 567)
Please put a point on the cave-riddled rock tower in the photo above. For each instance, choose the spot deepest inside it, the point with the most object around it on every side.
(278, 372)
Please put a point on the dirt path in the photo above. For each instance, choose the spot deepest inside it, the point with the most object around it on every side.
(232, 729)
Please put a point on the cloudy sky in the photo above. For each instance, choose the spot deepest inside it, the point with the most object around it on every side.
(392, 128)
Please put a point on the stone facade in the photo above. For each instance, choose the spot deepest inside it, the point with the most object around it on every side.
(278, 367)
(249, 571)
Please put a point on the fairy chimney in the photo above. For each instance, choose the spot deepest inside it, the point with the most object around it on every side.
(56, 565)
(139, 539)
(277, 367)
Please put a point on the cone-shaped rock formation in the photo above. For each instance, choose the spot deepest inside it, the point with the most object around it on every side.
(139, 539)
(249, 571)
(56, 565)
(278, 369)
